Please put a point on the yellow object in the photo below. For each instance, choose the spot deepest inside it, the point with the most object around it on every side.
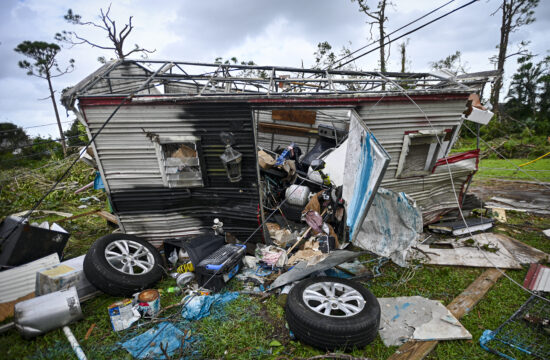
(532, 161)
(187, 267)
(58, 270)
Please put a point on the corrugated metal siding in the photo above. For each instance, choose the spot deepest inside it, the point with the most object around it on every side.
(122, 80)
(389, 121)
(130, 165)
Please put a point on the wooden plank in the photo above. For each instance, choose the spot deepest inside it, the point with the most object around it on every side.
(460, 306)
(77, 216)
(108, 216)
(300, 116)
(286, 129)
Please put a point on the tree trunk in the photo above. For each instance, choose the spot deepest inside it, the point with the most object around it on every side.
(381, 30)
(505, 28)
(62, 136)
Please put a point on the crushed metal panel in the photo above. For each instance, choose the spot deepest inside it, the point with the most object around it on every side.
(301, 270)
(538, 278)
(365, 165)
(415, 317)
(392, 226)
(20, 281)
(465, 252)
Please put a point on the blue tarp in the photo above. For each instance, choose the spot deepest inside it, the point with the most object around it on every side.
(199, 306)
(147, 345)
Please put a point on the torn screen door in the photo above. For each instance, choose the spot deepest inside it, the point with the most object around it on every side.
(365, 165)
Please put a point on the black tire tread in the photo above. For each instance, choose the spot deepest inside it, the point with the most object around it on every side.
(113, 282)
(332, 333)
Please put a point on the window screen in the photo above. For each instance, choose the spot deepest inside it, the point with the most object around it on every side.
(180, 164)
(419, 154)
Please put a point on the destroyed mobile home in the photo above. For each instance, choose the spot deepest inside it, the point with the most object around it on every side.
(234, 169)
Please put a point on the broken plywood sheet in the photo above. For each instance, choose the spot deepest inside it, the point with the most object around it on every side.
(536, 206)
(417, 318)
(465, 252)
(523, 253)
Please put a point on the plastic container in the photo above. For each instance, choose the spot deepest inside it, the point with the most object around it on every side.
(297, 195)
(219, 267)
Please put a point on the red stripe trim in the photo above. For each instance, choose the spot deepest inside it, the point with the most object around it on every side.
(325, 101)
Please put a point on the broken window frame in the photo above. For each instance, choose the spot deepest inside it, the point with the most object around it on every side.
(160, 143)
(420, 138)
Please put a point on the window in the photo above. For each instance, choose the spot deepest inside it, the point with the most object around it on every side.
(179, 161)
(419, 153)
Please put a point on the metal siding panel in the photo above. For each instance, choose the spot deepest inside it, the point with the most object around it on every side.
(129, 160)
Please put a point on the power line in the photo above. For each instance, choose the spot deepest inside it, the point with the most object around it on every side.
(46, 141)
(407, 33)
(393, 32)
(32, 127)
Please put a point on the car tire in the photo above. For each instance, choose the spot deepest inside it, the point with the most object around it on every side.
(121, 264)
(351, 323)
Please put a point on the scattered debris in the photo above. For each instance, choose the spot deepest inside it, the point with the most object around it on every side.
(199, 306)
(538, 278)
(546, 232)
(301, 270)
(417, 318)
(64, 275)
(458, 228)
(159, 342)
(466, 252)
(522, 252)
(123, 314)
(29, 242)
(18, 284)
(534, 206)
(391, 227)
(525, 332)
(499, 214)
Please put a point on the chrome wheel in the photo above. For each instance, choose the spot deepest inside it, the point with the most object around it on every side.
(333, 299)
(129, 257)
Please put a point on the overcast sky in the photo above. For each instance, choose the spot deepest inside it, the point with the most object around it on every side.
(281, 32)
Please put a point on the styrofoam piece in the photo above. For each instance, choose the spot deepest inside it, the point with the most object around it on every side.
(64, 275)
(480, 116)
(418, 318)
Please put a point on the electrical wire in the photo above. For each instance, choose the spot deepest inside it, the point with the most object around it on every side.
(32, 127)
(407, 33)
(388, 35)
(404, 92)
(504, 158)
(45, 141)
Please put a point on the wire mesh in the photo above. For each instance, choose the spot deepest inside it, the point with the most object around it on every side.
(527, 331)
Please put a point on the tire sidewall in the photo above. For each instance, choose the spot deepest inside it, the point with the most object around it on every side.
(112, 281)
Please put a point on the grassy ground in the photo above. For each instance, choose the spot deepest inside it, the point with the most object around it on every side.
(247, 327)
(507, 169)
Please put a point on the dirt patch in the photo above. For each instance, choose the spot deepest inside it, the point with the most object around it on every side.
(280, 332)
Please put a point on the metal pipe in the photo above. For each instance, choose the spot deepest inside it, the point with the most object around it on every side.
(74, 343)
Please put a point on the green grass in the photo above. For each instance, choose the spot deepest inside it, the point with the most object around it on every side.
(507, 169)
(246, 328)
